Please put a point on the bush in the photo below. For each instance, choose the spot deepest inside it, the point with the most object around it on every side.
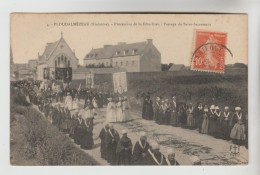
(48, 145)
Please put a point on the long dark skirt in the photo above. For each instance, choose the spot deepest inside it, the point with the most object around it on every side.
(167, 120)
(78, 135)
(174, 120)
(111, 154)
(87, 140)
(124, 158)
(213, 123)
(205, 125)
(225, 129)
(147, 112)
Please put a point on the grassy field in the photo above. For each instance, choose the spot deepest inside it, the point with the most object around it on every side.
(197, 87)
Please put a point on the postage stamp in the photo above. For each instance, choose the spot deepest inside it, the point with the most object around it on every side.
(209, 52)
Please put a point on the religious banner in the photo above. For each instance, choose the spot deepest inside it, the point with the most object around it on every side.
(89, 80)
(120, 82)
(46, 74)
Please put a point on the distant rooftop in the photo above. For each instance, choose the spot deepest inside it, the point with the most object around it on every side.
(119, 50)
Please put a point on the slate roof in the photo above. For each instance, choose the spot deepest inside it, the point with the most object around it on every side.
(119, 50)
(176, 67)
(49, 49)
(98, 70)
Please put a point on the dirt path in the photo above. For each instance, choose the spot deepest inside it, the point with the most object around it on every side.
(185, 142)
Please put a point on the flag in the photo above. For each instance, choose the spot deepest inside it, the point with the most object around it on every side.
(120, 82)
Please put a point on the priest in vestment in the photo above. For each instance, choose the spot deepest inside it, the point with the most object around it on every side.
(124, 150)
(102, 136)
(111, 141)
(147, 112)
(140, 149)
(153, 156)
(170, 159)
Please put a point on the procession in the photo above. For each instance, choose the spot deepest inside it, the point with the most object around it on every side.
(62, 108)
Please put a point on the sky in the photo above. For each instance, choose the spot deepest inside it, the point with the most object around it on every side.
(173, 35)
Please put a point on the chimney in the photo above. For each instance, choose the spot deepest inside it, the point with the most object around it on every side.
(121, 43)
(149, 41)
(107, 45)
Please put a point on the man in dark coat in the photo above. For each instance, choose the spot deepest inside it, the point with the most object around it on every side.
(170, 159)
(87, 134)
(102, 136)
(147, 112)
(156, 109)
(141, 147)
(100, 100)
(174, 121)
(112, 139)
(124, 150)
(153, 156)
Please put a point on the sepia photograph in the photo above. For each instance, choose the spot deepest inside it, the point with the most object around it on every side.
(120, 89)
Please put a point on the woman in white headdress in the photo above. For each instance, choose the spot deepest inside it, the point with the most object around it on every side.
(68, 101)
(126, 110)
(190, 117)
(119, 111)
(238, 132)
(110, 114)
(205, 122)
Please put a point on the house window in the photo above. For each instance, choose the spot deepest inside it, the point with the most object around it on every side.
(61, 58)
(125, 52)
(134, 51)
(133, 62)
(117, 53)
(65, 60)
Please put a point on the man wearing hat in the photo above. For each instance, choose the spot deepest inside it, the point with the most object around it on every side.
(124, 150)
(238, 132)
(147, 112)
(111, 141)
(156, 109)
(174, 120)
(170, 159)
(141, 147)
(102, 136)
(153, 156)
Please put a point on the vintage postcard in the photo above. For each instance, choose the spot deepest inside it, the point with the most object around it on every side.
(128, 89)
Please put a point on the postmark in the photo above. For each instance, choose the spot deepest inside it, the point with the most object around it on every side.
(209, 51)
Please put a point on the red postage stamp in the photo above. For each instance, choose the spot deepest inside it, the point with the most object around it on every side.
(209, 52)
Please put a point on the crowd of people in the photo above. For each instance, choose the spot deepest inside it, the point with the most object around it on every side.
(78, 123)
(120, 151)
(211, 120)
(62, 108)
